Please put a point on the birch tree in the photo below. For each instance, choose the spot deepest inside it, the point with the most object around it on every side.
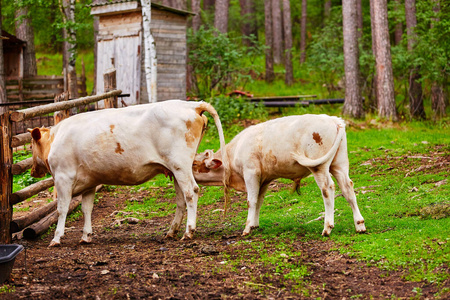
(70, 45)
(353, 105)
(150, 62)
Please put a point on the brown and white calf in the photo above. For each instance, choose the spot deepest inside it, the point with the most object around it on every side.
(125, 146)
(290, 147)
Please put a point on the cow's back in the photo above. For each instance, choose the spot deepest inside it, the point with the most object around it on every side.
(122, 146)
(270, 145)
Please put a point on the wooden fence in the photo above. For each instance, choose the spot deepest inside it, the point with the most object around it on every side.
(8, 169)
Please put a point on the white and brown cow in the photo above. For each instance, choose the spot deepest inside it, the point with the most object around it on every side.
(290, 147)
(125, 146)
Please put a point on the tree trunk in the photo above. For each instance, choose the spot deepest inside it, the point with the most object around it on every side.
(248, 16)
(150, 62)
(2, 71)
(24, 31)
(437, 90)
(178, 4)
(287, 25)
(270, 76)
(277, 32)
(221, 15)
(208, 5)
(415, 87)
(303, 32)
(70, 49)
(398, 33)
(327, 9)
(438, 101)
(196, 20)
(353, 105)
(359, 18)
(383, 61)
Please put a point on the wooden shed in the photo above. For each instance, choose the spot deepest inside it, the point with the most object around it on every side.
(120, 44)
(13, 55)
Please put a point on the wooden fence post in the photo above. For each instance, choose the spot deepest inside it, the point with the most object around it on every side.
(109, 78)
(6, 160)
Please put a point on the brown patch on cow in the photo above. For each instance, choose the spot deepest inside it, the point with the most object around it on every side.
(119, 149)
(317, 138)
(325, 193)
(111, 127)
(200, 167)
(194, 131)
(270, 159)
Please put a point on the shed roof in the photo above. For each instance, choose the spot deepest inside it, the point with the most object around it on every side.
(11, 41)
(129, 5)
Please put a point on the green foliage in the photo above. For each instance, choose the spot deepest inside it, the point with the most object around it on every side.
(216, 61)
(231, 109)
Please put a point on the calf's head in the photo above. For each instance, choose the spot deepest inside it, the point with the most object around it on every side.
(40, 144)
(208, 169)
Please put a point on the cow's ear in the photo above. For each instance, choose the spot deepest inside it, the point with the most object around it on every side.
(35, 134)
(214, 163)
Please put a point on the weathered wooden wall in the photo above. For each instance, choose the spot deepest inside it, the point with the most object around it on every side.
(169, 32)
(119, 46)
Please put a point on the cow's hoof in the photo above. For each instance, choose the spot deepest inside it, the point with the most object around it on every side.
(187, 236)
(360, 227)
(85, 242)
(54, 244)
(170, 236)
(245, 233)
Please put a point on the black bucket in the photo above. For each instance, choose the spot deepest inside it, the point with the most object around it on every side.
(8, 254)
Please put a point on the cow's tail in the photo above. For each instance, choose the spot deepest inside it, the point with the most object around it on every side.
(311, 163)
(204, 106)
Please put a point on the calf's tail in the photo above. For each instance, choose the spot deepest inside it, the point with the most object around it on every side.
(204, 106)
(311, 163)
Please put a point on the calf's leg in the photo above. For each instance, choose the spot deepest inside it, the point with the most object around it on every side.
(346, 185)
(326, 185)
(254, 202)
(189, 189)
(179, 213)
(87, 206)
(63, 186)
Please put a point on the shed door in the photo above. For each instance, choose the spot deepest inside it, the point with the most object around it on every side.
(124, 54)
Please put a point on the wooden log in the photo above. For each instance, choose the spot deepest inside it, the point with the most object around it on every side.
(21, 139)
(6, 159)
(42, 226)
(109, 79)
(29, 113)
(30, 190)
(18, 224)
(22, 166)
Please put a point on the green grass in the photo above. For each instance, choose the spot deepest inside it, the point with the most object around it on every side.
(51, 64)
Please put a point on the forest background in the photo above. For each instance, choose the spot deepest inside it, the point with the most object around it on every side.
(387, 58)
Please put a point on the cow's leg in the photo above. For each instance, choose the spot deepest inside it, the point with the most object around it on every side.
(340, 172)
(63, 186)
(87, 205)
(189, 189)
(262, 193)
(252, 183)
(179, 213)
(326, 185)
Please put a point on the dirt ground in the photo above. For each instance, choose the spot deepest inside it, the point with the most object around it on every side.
(135, 261)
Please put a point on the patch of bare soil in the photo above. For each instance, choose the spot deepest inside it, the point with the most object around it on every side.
(135, 261)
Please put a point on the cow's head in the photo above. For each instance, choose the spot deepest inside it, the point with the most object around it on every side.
(208, 169)
(40, 143)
